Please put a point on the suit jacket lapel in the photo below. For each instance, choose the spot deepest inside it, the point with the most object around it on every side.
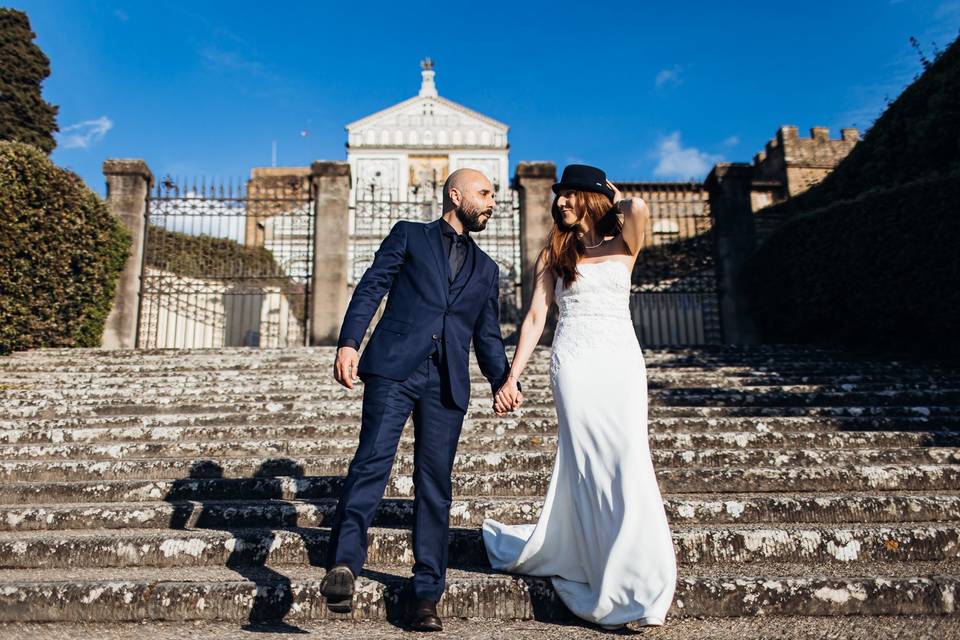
(435, 240)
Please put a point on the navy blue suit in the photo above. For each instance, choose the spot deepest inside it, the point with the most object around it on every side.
(417, 361)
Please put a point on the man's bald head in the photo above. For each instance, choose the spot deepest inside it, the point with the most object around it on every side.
(463, 181)
(469, 195)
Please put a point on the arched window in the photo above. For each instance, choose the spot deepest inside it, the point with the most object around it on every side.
(457, 138)
(471, 137)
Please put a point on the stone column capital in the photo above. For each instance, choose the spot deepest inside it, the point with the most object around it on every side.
(533, 170)
(127, 167)
(329, 168)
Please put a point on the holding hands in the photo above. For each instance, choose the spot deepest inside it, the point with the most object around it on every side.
(508, 398)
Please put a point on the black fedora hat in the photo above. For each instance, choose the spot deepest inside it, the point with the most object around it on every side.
(583, 177)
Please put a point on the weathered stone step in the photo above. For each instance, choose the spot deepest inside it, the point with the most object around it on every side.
(219, 593)
(656, 379)
(534, 377)
(48, 432)
(347, 411)
(519, 483)
(899, 507)
(536, 389)
(249, 459)
(666, 447)
(57, 442)
(303, 425)
(724, 374)
(300, 354)
(778, 356)
(851, 627)
(279, 547)
(279, 413)
(255, 402)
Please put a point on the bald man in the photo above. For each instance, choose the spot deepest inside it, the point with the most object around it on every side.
(444, 291)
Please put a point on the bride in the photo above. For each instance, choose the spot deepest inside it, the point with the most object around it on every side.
(602, 535)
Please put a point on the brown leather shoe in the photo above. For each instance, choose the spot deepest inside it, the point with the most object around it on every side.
(337, 588)
(425, 616)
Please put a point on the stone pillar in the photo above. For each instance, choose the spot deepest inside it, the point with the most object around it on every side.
(729, 186)
(128, 186)
(328, 288)
(533, 182)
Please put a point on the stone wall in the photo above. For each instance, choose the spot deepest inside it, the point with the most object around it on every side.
(676, 208)
(272, 190)
(799, 163)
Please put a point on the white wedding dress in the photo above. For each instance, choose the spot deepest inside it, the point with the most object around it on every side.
(603, 535)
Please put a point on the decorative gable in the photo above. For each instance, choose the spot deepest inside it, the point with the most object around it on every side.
(429, 121)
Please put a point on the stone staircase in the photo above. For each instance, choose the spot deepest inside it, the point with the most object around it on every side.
(199, 485)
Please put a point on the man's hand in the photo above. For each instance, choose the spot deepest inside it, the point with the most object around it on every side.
(508, 398)
(345, 366)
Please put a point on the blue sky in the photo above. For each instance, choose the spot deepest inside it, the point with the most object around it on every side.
(648, 91)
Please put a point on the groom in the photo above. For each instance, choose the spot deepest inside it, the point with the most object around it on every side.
(443, 291)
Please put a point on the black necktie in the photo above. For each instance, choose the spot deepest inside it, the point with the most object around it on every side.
(458, 254)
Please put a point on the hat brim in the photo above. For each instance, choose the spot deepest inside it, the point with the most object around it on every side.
(582, 186)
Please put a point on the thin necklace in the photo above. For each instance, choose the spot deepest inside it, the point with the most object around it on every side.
(602, 240)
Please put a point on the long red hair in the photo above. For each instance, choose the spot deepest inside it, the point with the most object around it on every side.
(564, 248)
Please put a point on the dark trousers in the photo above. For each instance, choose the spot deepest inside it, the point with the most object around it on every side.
(386, 406)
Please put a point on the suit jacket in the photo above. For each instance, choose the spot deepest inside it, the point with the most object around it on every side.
(425, 311)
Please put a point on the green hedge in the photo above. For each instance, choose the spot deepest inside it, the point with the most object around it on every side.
(206, 257)
(61, 253)
(880, 272)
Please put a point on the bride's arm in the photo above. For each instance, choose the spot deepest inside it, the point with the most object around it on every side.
(636, 214)
(532, 327)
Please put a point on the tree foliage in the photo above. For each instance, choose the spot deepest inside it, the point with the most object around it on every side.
(24, 115)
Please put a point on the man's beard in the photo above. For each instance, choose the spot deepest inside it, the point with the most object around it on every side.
(470, 217)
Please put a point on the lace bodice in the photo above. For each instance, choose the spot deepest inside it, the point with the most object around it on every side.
(594, 315)
(602, 290)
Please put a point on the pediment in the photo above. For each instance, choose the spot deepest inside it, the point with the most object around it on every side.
(433, 118)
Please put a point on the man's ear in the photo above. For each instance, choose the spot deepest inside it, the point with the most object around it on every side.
(455, 196)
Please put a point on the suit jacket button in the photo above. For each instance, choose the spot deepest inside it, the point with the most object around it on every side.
(436, 337)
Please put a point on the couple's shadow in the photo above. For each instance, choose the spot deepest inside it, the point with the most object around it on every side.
(253, 532)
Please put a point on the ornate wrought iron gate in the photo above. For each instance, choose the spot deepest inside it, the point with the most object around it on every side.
(373, 213)
(227, 264)
(674, 300)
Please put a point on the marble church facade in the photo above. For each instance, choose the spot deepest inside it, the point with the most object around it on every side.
(410, 148)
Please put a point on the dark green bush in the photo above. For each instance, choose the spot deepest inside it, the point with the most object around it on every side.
(880, 272)
(212, 258)
(61, 252)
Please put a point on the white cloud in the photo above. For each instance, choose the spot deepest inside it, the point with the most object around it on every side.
(668, 77)
(731, 141)
(682, 163)
(83, 134)
(221, 59)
